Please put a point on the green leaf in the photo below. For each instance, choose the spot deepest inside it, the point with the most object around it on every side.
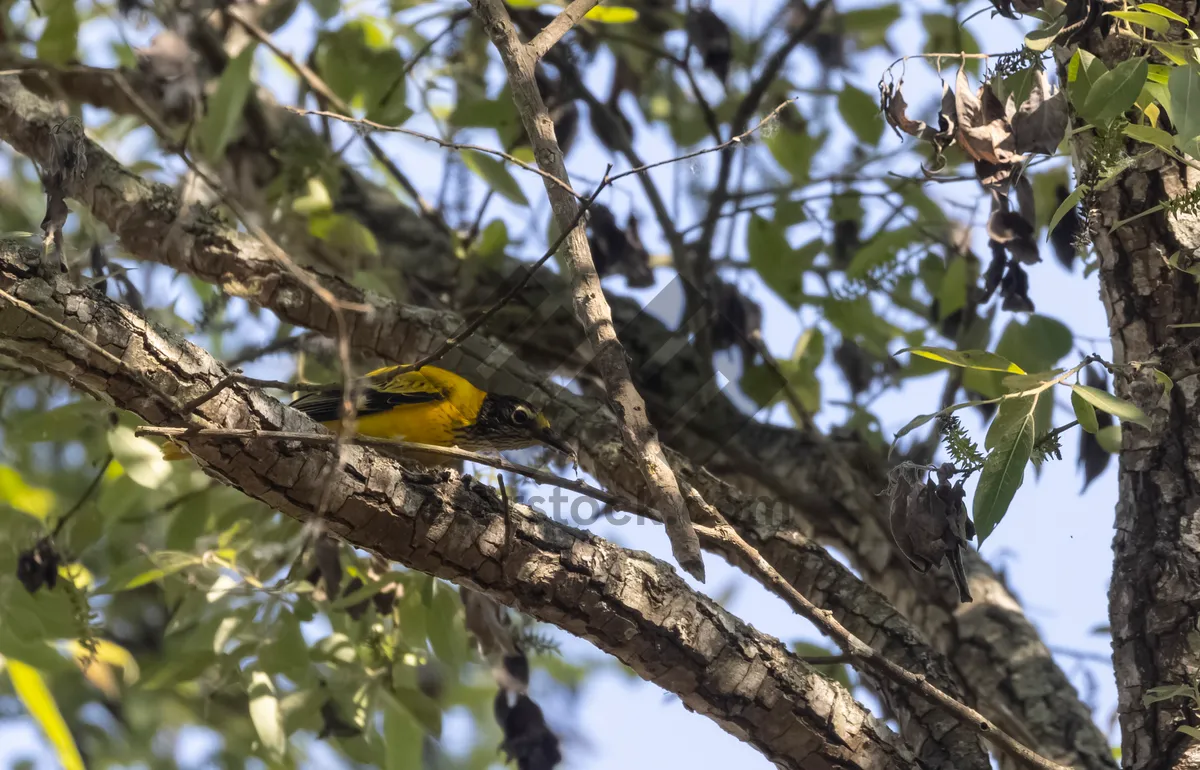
(446, 631)
(1164, 380)
(946, 33)
(1166, 13)
(1043, 37)
(862, 113)
(1191, 732)
(1147, 20)
(1106, 402)
(401, 736)
(776, 262)
(316, 199)
(143, 570)
(345, 232)
(952, 294)
(970, 359)
(1151, 135)
(1083, 70)
(287, 652)
(612, 14)
(17, 494)
(491, 243)
(141, 459)
(835, 671)
(33, 691)
(1109, 439)
(1071, 202)
(1168, 692)
(421, 707)
(1004, 469)
(868, 27)
(59, 39)
(266, 715)
(1114, 92)
(1085, 413)
(882, 249)
(496, 174)
(224, 113)
(1184, 88)
(794, 151)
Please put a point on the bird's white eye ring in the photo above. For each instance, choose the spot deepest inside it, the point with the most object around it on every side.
(521, 415)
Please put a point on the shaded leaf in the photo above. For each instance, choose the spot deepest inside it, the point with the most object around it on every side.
(1041, 121)
(496, 174)
(1004, 469)
(776, 262)
(1085, 413)
(1105, 401)
(1184, 88)
(1114, 92)
(1109, 439)
(861, 112)
(224, 112)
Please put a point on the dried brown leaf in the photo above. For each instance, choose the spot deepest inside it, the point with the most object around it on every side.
(1041, 121)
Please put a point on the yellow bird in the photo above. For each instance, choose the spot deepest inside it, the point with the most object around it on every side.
(431, 406)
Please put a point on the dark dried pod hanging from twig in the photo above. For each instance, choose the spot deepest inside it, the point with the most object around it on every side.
(995, 270)
(736, 321)
(1014, 288)
(1065, 234)
(712, 38)
(858, 367)
(527, 737)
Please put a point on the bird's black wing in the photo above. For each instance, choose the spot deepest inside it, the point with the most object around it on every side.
(326, 405)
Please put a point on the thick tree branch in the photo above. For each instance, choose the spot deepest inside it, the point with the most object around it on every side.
(794, 489)
(445, 525)
(559, 26)
(591, 307)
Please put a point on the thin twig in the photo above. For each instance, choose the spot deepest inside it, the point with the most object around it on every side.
(453, 22)
(561, 24)
(440, 142)
(741, 117)
(403, 448)
(87, 493)
(861, 651)
(254, 353)
(639, 436)
(472, 326)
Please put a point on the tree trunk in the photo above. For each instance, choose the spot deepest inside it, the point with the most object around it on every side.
(1155, 589)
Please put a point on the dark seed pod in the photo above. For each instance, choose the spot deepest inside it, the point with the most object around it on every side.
(712, 38)
(1014, 288)
(995, 271)
(527, 738)
(1066, 232)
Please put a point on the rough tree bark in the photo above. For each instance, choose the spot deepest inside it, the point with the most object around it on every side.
(625, 602)
(1004, 668)
(1154, 599)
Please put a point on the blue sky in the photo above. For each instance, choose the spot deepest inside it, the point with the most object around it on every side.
(1054, 546)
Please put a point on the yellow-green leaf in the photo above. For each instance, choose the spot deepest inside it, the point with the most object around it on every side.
(31, 688)
(1107, 402)
(1109, 439)
(14, 492)
(968, 359)
(1151, 135)
(266, 715)
(1147, 20)
(1085, 413)
(612, 14)
(1166, 13)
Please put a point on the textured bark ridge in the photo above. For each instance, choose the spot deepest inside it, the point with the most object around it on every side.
(441, 523)
(1154, 602)
(792, 488)
(1154, 599)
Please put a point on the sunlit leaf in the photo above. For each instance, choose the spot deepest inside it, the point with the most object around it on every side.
(57, 45)
(16, 493)
(1151, 21)
(1166, 13)
(34, 693)
(266, 715)
(970, 359)
(612, 14)
(141, 458)
(1109, 439)
(1114, 92)
(1184, 88)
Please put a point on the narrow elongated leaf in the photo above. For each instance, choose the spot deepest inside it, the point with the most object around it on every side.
(1148, 20)
(401, 736)
(31, 688)
(1166, 13)
(224, 113)
(1114, 92)
(1004, 470)
(1070, 202)
(612, 14)
(1085, 413)
(1151, 135)
(495, 174)
(969, 359)
(1184, 87)
(1107, 402)
(266, 715)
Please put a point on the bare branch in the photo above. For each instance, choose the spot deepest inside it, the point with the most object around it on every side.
(561, 25)
(590, 305)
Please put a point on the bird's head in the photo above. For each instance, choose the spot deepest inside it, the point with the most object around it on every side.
(507, 422)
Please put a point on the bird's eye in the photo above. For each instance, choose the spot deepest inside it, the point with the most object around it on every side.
(521, 415)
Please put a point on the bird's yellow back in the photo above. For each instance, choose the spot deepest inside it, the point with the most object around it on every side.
(425, 406)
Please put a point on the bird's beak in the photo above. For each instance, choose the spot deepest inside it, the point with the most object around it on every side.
(547, 436)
